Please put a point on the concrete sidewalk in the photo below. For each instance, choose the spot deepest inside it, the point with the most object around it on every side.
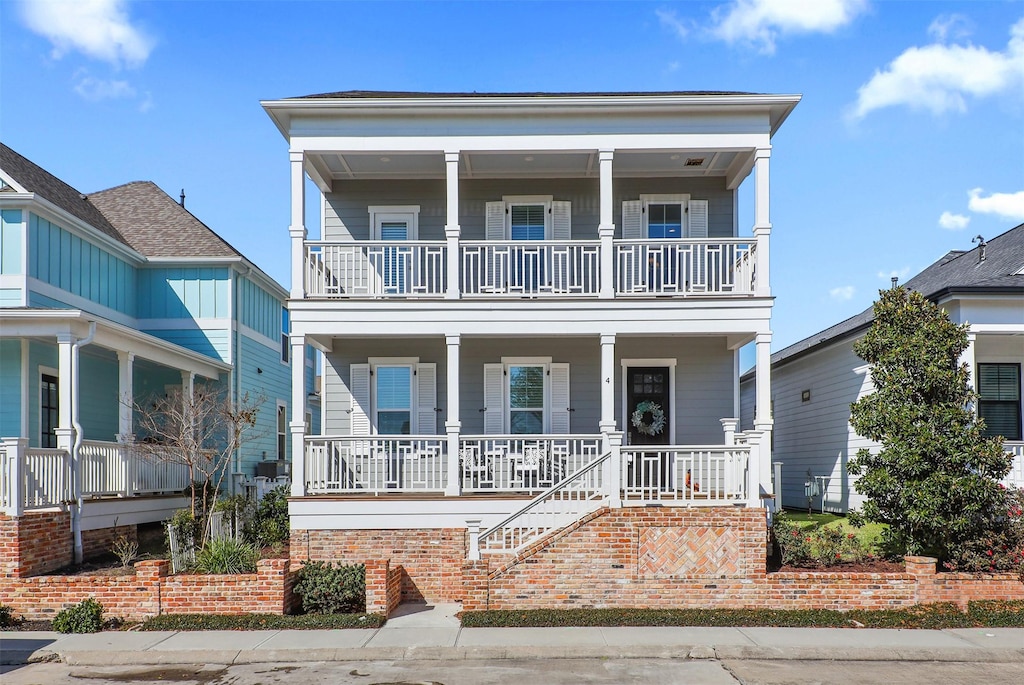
(434, 633)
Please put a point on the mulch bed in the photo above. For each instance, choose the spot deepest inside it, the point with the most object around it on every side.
(875, 566)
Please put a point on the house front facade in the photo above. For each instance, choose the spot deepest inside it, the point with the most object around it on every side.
(529, 306)
(815, 380)
(107, 300)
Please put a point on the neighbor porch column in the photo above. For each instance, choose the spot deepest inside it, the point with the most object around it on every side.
(969, 357)
(125, 396)
(452, 424)
(297, 228)
(65, 391)
(763, 413)
(606, 228)
(762, 220)
(297, 426)
(452, 230)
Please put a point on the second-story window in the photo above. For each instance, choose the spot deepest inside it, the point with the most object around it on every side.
(527, 221)
(394, 399)
(665, 220)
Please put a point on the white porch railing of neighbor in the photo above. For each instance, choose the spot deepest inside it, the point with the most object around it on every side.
(375, 464)
(115, 469)
(531, 268)
(523, 463)
(574, 497)
(684, 267)
(376, 269)
(32, 477)
(1016, 475)
(692, 474)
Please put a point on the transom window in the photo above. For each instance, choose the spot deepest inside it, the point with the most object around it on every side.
(999, 399)
(526, 399)
(393, 385)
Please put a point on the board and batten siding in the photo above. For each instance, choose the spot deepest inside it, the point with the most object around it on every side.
(10, 388)
(183, 293)
(12, 244)
(346, 216)
(815, 435)
(259, 310)
(99, 403)
(61, 259)
(213, 342)
(263, 376)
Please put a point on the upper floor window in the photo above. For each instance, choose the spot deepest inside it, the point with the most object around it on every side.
(999, 399)
(284, 336)
(657, 217)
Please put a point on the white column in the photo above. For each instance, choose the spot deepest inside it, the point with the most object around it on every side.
(452, 424)
(125, 396)
(606, 228)
(452, 230)
(762, 220)
(15, 474)
(297, 228)
(613, 475)
(297, 426)
(763, 416)
(969, 357)
(473, 528)
(729, 430)
(65, 391)
(607, 382)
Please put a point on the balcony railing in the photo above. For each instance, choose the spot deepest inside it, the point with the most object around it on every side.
(530, 268)
(694, 474)
(375, 465)
(376, 269)
(114, 469)
(517, 463)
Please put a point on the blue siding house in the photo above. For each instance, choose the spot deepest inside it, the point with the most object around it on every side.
(117, 295)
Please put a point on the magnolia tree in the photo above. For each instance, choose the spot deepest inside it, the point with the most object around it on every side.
(935, 480)
(200, 431)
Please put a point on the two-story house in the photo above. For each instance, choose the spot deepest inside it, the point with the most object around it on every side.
(105, 300)
(529, 306)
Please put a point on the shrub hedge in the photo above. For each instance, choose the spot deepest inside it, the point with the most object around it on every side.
(261, 622)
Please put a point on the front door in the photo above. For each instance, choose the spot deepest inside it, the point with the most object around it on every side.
(648, 405)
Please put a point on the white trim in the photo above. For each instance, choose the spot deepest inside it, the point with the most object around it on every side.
(392, 361)
(527, 200)
(77, 301)
(673, 409)
(258, 337)
(681, 199)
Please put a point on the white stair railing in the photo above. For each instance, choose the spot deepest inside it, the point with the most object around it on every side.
(564, 503)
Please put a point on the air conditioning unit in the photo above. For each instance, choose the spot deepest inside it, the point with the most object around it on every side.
(274, 468)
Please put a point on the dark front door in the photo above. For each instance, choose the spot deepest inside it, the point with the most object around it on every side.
(648, 405)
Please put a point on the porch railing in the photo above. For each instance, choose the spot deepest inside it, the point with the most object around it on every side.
(684, 267)
(119, 470)
(1016, 475)
(375, 464)
(692, 474)
(375, 269)
(531, 268)
(523, 463)
(32, 477)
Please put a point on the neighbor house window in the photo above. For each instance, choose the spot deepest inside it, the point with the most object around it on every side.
(282, 430)
(284, 336)
(999, 399)
(48, 411)
(393, 386)
(526, 399)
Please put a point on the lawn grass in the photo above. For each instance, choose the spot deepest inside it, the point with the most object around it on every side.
(870, 534)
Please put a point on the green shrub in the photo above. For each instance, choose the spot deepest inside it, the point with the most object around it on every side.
(261, 622)
(227, 555)
(328, 589)
(6, 616)
(269, 524)
(997, 613)
(819, 546)
(84, 617)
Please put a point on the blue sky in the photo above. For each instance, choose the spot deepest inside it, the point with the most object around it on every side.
(909, 140)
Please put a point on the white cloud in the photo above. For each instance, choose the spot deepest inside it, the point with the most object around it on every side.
(761, 22)
(670, 20)
(938, 77)
(92, 88)
(100, 29)
(949, 26)
(1006, 205)
(842, 293)
(895, 273)
(954, 222)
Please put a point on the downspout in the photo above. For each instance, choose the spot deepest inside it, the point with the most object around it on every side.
(76, 465)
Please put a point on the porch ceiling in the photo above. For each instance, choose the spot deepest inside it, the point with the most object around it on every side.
(340, 166)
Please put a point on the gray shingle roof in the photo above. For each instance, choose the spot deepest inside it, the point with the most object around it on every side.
(154, 224)
(957, 271)
(368, 94)
(37, 180)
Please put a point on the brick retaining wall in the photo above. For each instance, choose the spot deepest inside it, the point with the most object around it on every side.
(35, 543)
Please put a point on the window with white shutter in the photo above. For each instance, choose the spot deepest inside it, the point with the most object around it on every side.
(393, 396)
(528, 395)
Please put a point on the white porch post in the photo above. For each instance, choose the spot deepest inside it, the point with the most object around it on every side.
(14, 449)
(297, 228)
(125, 395)
(612, 437)
(969, 357)
(763, 416)
(606, 229)
(762, 221)
(66, 391)
(297, 426)
(452, 424)
(614, 472)
(452, 230)
(473, 529)
(729, 430)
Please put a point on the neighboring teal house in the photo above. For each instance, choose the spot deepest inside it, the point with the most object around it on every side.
(124, 292)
